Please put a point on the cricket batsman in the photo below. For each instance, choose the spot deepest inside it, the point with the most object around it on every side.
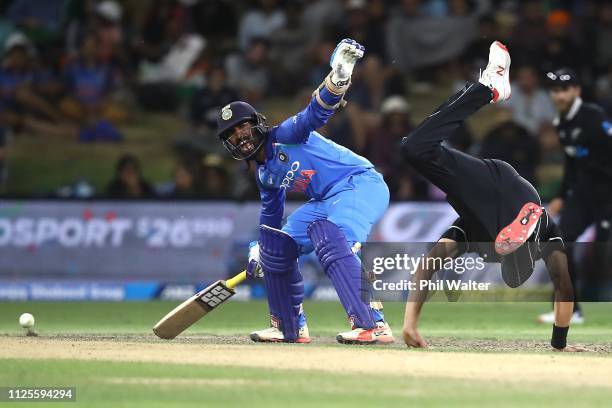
(500, 213)
(346, 196)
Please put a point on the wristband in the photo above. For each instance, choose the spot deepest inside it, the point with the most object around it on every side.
(323, 92)
(559, 337)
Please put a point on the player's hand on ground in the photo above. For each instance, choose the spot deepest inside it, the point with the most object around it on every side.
(412, 338)
(253, 269)
(572, 349)
(343, 60)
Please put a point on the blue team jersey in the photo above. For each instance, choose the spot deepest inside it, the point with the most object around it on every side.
(300, 159)
(313, 167)
(11, 80)
(90, 85)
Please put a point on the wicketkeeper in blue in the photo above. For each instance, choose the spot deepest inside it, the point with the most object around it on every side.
(346, 197)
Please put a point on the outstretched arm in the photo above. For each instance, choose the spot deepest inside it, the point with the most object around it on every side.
(295, 130)
(444, 248)
(326, 98)
(556, 263)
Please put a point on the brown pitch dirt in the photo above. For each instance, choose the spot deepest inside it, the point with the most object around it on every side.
(573, 370)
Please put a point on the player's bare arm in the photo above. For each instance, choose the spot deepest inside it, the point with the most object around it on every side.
(444, 248)
(563, 305)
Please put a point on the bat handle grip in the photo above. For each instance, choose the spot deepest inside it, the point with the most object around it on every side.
(236, 280)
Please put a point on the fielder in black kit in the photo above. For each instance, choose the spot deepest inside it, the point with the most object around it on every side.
(500, 213)
(585, 196)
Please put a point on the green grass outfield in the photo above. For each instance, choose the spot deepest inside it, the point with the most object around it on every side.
(461, 320)
(155, 384)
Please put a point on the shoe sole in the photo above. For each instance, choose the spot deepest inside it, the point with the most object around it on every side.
(342, 340)
(515, 234)
(258, 339)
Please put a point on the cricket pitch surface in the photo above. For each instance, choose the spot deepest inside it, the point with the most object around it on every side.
(323, 355)
(480, 355)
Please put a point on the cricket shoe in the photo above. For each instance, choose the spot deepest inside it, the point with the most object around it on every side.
(381, 334)
(496, 76)
(273, 335)
(577, 318)
(512, 236)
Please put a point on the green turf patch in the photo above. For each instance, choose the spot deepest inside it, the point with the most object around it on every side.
(114, 384)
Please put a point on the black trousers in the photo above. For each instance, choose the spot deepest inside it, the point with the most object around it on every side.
(580, 211)
(486, 193)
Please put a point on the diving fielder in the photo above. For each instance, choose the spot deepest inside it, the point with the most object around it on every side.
(500, 213)
(346, 197)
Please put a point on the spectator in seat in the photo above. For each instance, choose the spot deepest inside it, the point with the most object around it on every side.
(530, 104)
(260, 22)
(215, 179)
(90, 82)
(185, 184)
(512, 143)
(395, 123)
(128, 182)
(28, 93)
(248, 72)
(288, 47)
(206, 102)
(560, 49)
(166, 63)
(381, 142)
(360, 27)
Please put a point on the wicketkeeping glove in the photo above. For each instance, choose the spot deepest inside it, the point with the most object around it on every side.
(253, 269)
(342, 62)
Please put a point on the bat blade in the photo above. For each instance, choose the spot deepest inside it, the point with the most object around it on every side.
(192, 310)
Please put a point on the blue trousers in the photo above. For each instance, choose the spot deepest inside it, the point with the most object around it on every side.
(358, 203)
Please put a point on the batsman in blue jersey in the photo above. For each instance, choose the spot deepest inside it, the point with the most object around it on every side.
(346, 197)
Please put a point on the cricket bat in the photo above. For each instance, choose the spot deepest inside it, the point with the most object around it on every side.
(196, 307)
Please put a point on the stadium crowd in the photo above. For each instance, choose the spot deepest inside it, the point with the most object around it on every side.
(75, 70)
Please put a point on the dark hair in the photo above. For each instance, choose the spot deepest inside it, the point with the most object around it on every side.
(125, 161)
(259, 40)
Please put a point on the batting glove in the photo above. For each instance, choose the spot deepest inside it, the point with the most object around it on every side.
(342, 62)
(253, 269)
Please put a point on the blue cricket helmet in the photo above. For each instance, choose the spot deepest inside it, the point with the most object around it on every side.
(234, 114)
